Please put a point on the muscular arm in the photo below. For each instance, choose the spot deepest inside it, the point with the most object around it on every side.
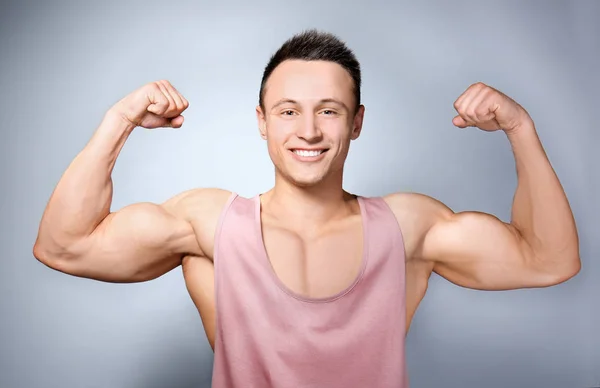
(537, 248)
(79, 235)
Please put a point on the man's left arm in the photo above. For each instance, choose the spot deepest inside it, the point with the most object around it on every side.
(539, 247)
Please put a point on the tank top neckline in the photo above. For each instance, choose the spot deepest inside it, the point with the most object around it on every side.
(264, 257)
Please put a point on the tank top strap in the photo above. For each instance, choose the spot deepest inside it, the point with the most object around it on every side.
(383, 233)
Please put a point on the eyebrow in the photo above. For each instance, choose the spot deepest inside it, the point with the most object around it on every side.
(323, 101)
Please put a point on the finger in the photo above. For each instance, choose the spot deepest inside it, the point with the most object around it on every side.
(480, 106)
(186, 103)
(462, 119)
(468, 120)
(486, 112)
(463, 100)
(465, 108)
(178, 96)
(178, 101)
(172, 106)
(459, 101)
(158, 102)
(174, 95)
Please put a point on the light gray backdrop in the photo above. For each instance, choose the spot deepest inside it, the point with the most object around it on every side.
(63, 64)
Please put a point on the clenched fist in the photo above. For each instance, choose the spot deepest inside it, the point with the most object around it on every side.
(157, 104)
(486, 108)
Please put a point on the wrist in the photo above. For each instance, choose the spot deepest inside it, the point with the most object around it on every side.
(523, 130)
(118, 122)
(110, 136)
(525, 143)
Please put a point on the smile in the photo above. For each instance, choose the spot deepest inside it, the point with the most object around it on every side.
(308, 152)
(308, 155)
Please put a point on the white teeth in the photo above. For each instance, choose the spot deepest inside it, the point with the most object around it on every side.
(308, 153)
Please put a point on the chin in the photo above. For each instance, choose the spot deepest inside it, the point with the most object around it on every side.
(303, 180)
(306, 181)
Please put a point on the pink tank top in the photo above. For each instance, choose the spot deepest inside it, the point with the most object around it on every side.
(268, 336)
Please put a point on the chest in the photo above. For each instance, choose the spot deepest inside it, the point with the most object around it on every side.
(315, 265)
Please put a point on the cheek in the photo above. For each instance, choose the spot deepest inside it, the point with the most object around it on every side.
(337, 131)
(277, 137)
(279, 131)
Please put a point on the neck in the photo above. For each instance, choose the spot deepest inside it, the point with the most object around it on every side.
(307, 205)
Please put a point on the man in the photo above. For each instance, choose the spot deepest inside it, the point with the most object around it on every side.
(308, 285)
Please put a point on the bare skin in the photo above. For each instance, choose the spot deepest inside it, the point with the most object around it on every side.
(311, 227)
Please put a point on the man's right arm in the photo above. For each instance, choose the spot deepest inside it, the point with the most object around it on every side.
(78, 233)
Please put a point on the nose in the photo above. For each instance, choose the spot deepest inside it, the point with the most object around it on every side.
(308, 130)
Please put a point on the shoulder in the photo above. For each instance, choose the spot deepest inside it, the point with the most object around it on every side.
(201, 208)
(197, 202)
(416, 214)
(404, 203)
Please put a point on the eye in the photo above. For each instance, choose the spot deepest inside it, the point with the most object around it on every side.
(288, 112)
(328, 112)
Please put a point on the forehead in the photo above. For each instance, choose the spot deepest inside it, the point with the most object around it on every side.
(309, 80)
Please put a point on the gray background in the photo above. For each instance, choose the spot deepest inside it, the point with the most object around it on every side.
(63, 64)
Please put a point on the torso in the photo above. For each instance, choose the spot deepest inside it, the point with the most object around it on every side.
(315, 263)
(298, 258)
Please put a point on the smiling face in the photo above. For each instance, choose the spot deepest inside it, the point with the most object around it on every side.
(309, 119)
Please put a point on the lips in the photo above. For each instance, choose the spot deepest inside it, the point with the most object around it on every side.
(308, 153)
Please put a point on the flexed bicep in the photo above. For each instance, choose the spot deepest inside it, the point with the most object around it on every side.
(479, 251)
(137, 243)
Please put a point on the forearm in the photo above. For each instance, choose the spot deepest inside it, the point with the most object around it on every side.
(82, 198)
(541, 211)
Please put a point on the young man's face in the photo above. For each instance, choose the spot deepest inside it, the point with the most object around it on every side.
(309, 119)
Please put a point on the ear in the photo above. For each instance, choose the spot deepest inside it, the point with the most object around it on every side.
(357, 122)
(262, 122)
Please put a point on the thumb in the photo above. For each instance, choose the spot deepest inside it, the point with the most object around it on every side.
(157, 109)
(176, 122)
(153, 121)
(459, 122)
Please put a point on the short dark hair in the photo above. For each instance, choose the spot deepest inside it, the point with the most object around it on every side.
(314, 45)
